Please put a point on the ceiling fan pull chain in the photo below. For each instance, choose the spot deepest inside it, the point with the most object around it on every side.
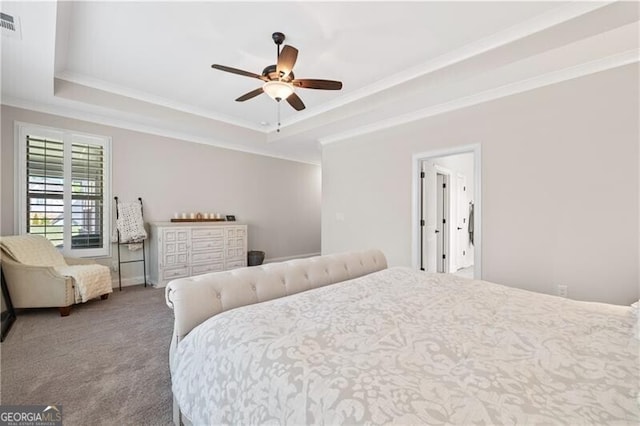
(278, 128)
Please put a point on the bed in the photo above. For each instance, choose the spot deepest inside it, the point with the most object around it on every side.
(342, 339)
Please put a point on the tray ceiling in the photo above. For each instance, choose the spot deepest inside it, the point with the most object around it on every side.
(147, 65)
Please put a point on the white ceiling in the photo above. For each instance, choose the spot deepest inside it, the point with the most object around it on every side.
(147, 65)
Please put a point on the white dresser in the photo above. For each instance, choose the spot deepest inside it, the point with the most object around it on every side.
(185, 249)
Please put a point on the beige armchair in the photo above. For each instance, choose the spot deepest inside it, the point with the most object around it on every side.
(37, 276)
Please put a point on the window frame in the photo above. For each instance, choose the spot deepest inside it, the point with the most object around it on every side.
(69, 137)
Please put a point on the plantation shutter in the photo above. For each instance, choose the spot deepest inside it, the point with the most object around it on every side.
(64, 189)
(87, 195)
(45, 188)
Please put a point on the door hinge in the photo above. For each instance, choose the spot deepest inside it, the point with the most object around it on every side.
(422, 175)
(444, 220)
(422, 222)
(464, 253)
(444, 256)
(464, 188)
(444, 185)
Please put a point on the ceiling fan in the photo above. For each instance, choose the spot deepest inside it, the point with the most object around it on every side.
(279, 80)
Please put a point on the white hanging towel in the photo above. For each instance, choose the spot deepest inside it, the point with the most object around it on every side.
(131, 225)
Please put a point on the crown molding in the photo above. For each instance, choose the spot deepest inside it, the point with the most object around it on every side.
(105, 116)
(501, 38)
(102, 85)
(570, 73)
(539, 23)
(73, 113)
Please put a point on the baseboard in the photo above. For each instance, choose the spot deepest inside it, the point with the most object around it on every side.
(297, 256)
(128, 282)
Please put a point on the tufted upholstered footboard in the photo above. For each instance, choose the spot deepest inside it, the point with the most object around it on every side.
(195, 299)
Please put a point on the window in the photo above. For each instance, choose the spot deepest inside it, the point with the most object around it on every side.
(64, 188)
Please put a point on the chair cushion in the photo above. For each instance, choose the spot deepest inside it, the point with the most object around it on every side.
(34, 250)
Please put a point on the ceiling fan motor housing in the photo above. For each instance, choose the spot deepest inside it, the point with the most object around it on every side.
(271, 73)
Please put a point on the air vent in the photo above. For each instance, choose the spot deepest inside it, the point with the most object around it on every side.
(10, 25)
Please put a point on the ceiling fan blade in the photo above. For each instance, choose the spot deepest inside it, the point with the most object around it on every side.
(237, 71)
(251, 94)
(286, 60)
(309, 83)
(295, 101)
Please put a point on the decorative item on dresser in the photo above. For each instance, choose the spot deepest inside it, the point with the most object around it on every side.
(186, 249)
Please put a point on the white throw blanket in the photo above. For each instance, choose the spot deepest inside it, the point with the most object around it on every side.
(131, 225)
(33, 250)
(90, 280)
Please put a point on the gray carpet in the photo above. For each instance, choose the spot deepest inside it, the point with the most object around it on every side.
(106, 363)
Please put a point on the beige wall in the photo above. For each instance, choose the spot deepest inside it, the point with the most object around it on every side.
(278, 199)
(560, 186)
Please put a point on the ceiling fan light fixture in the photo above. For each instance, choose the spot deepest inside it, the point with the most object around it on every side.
(278, 90)
(279, 81)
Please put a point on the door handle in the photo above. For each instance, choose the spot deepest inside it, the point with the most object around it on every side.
(459, 228)
(437, 231)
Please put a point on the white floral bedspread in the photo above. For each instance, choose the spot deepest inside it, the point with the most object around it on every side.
(405, 347)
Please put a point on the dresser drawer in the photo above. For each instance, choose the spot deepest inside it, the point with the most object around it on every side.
(175, 235)
(170, 259)
(235, 264)
(207, 256)
(169, 274)
(179, 247)
(237, 253)
(175, 241)
(236, 231)
(199, 234)
(209, 267)
(199, 245)
(236, 242)
(235, 237)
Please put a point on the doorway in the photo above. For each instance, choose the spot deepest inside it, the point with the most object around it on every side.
(443, 207)
(446, 212)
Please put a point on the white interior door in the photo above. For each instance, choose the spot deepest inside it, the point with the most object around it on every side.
(462, 232)
(442, 222)
(461, 252)
(429, 241)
